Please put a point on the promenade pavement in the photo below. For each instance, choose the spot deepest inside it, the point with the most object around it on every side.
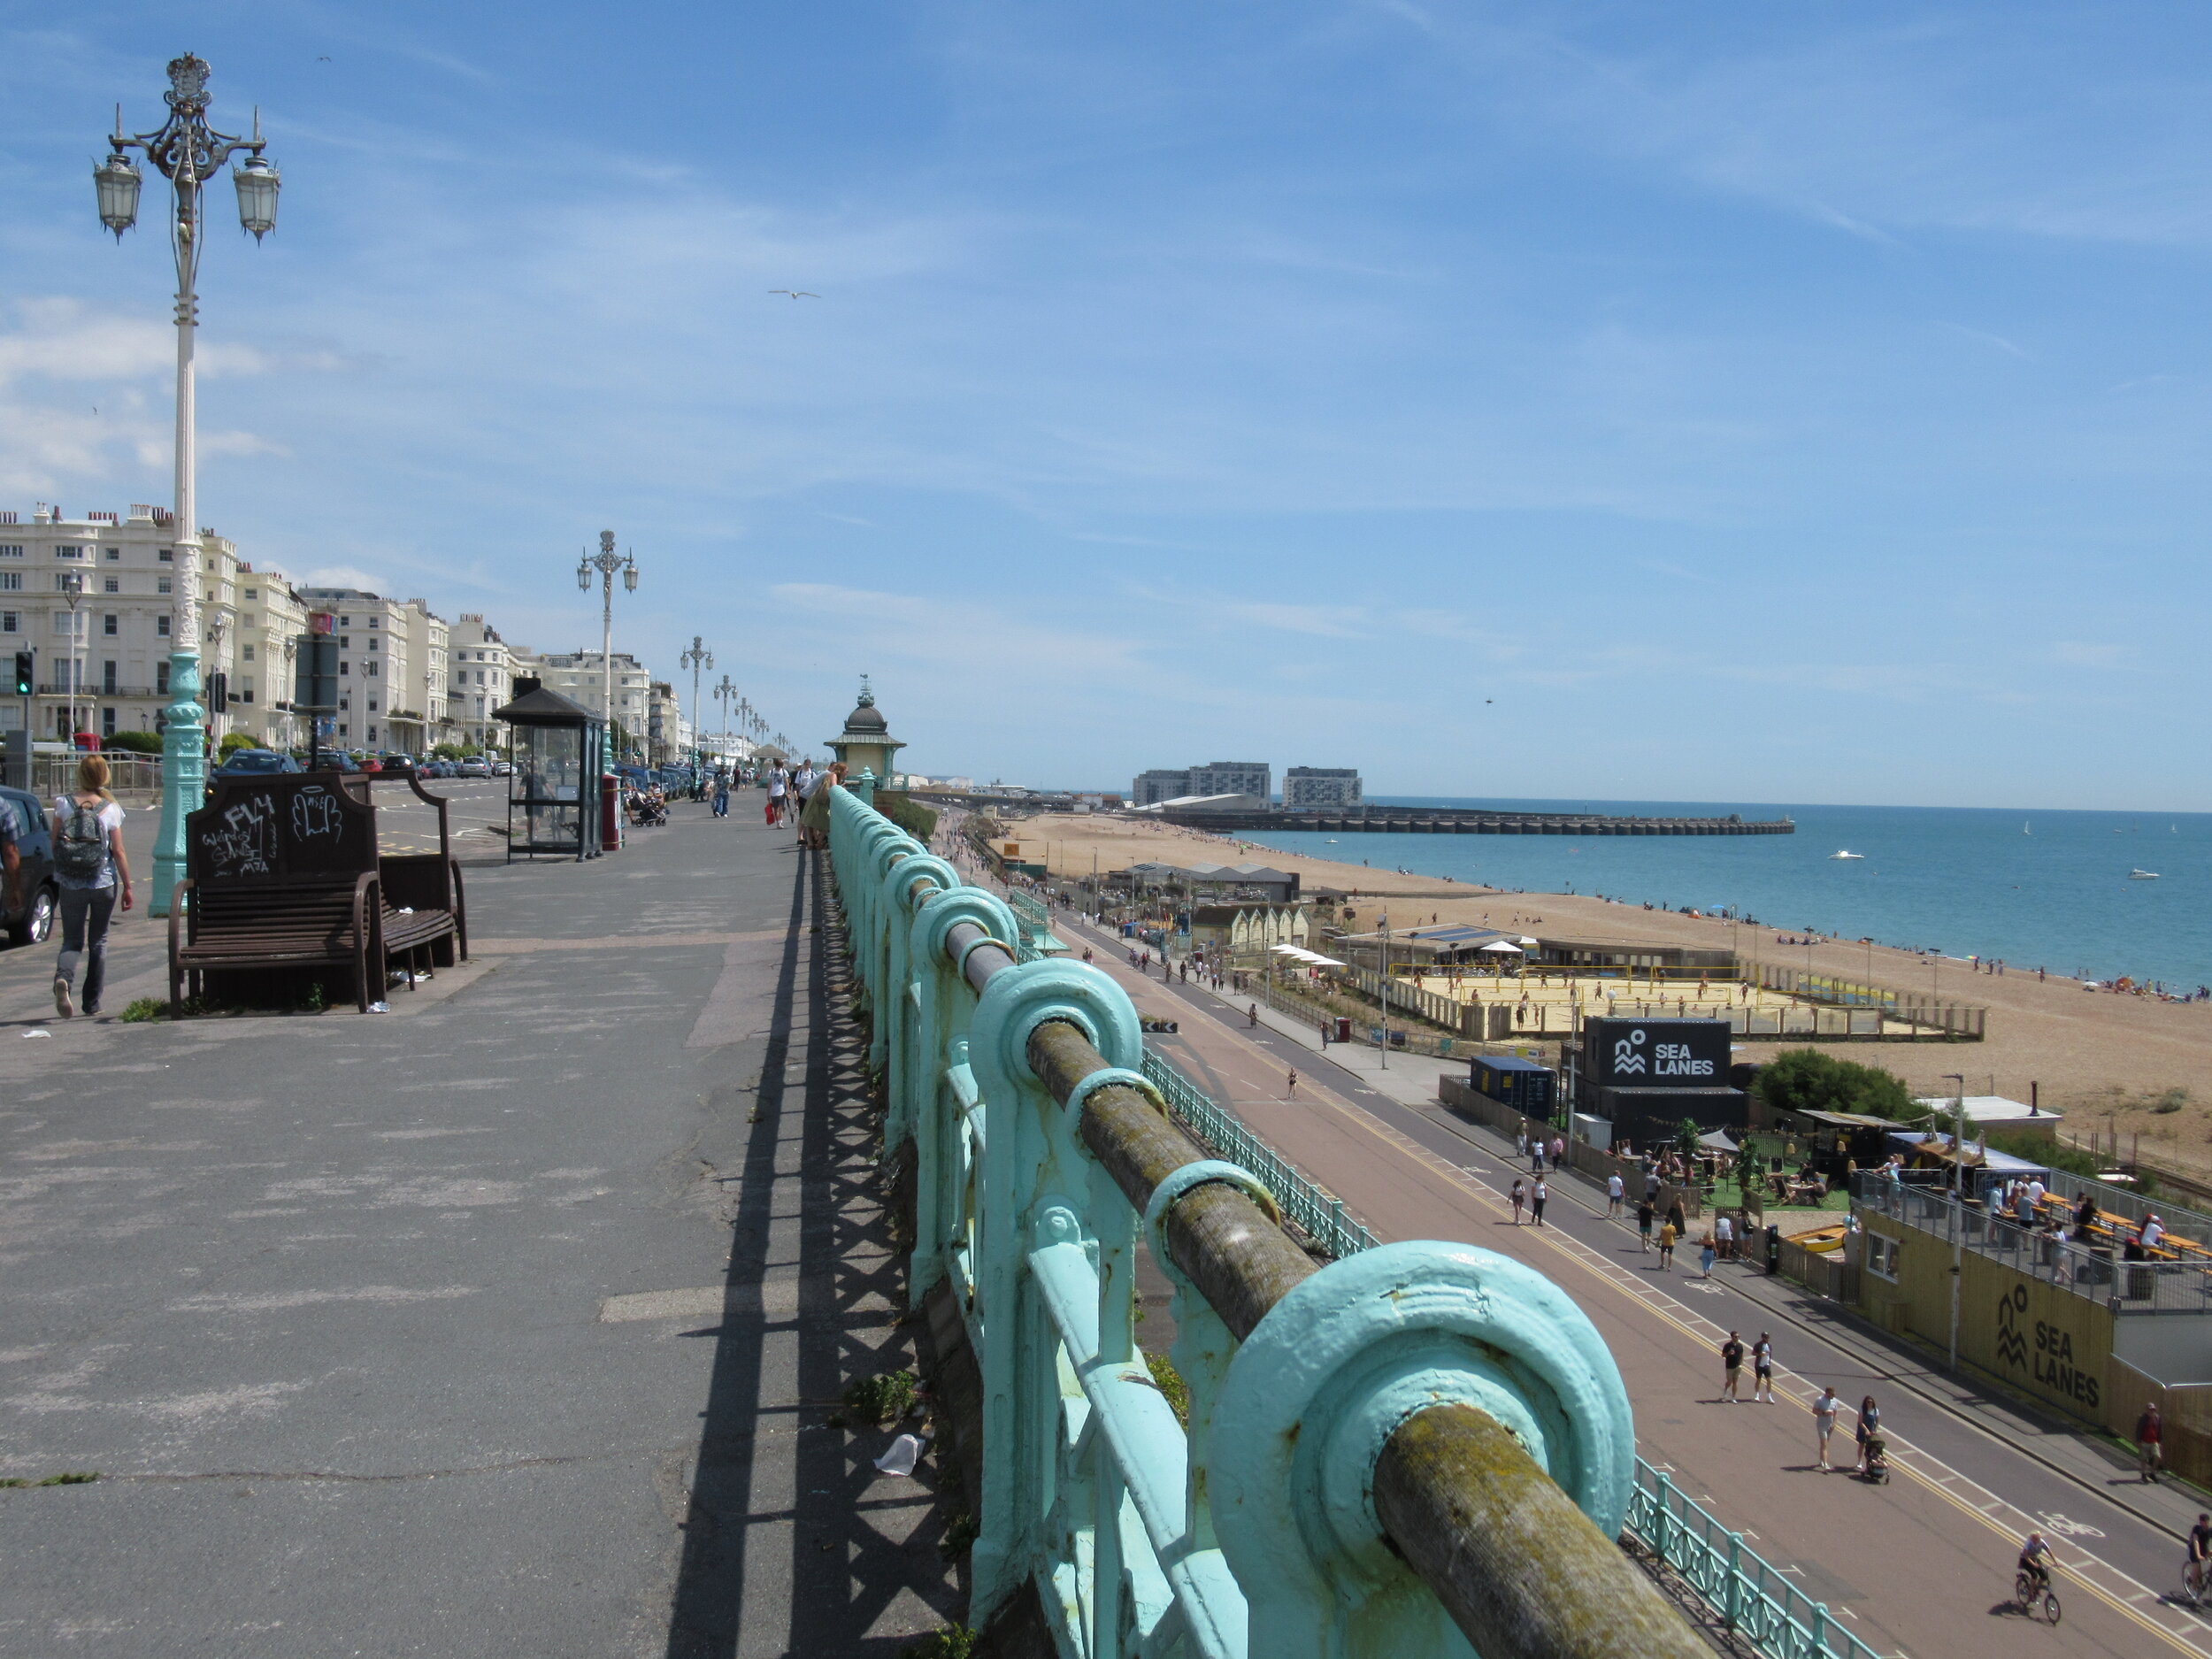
(1922, 1565)
(509, 1322)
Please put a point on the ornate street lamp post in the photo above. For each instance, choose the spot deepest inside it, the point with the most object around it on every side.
(607, 562)
(188, 153)
(73, 591)
(697, 658)
(724, 693)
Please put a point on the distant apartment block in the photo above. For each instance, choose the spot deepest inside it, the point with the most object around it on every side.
(1311, 786)
(1254, 778)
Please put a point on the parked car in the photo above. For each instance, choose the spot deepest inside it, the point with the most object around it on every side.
(247, 763)
(395, 763)
(34, 922)
(502, 768)
(475, 766)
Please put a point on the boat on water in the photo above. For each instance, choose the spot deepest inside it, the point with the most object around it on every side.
(1846, 855)
(2142, 875)
(2027, 829)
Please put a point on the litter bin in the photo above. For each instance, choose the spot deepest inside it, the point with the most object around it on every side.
(1774, 1250)
(610, 812)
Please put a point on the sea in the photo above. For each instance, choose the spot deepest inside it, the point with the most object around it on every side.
(2032, 888)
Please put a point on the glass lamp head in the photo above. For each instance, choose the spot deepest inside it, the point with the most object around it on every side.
(116, 182)
(257, 183)
(583, 575)
(629, 575)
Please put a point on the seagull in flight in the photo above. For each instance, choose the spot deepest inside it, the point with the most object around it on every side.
(796, 294)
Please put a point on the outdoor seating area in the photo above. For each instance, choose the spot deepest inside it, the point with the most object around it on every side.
(284, 877)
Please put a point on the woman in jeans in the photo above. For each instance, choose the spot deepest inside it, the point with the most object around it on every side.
(89, 819)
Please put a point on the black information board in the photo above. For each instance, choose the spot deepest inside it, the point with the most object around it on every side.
(269, 827)
(1655, 1053)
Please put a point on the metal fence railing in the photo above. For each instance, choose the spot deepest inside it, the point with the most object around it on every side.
(2127, 1286)
(1957, 1019)
(1752, 1599)
(1316, 1213)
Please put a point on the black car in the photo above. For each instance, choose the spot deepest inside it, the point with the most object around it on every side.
(248, 763)
(42, 894)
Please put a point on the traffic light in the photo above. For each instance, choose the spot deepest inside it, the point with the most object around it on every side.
(218, 693)
(24, 675)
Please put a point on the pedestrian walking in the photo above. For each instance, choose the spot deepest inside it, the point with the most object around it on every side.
(1558, 1152)
(1537, 1194)
(1520, 1141)
(1674, 1217)
(1705, 1255)
(1825, 1421)
(1536, 1155)
(1292, 1088)
(2150, 1434)
(1252, 1015)
(91, 868)
(1644, 1214)
(1667, 1236)
(1615, 1190)
(1732, 1369)
(1762, 1370)
(1869, 1424)
(779, 782)
(721, 795)
(1724, 1235)
(1519, 1196)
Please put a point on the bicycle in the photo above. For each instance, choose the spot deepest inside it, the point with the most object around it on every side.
(2036, 1600)
(2196, 1582)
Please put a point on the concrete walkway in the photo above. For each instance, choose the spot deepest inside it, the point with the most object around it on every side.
(508, 1323)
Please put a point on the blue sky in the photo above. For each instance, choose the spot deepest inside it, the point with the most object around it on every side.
(1723, 402)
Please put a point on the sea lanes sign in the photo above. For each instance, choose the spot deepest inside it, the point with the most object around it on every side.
(1656, 1053)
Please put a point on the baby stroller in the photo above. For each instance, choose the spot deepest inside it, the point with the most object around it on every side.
(1877, 1459)
(646, 813)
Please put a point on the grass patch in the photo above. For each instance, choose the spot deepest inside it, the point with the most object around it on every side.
(882, 1398)
(1170, 1382)
(960, 1535)
(73, 1478)
(954, 1641)
(142, 1009)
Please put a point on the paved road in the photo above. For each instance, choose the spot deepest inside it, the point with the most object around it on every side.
(1920, 1566)
(504, 1324)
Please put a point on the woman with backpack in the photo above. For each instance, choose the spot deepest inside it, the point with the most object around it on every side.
(89, 866)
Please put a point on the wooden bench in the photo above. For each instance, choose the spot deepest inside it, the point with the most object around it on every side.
(425, 911)
(304, 923)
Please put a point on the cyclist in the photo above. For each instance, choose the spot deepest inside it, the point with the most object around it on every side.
(2036, 1561)
(2197, 1574)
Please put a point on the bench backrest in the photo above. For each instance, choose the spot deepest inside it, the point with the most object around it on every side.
(268, 832)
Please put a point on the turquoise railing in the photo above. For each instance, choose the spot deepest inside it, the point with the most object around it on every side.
(1316, 1213)
(1752, 1599)
(1377, 1447)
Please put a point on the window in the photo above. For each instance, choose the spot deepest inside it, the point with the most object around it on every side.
(373, 643)
(114, 554)
(245, 691)
(161, 584)
(161, 679)
(245, 653)
(11, 621)
(110, 625)
(107, 679)
(61, 622)
(344, 644)
(345, 702)
(342, 728)
(161, 626)
(111, 584)
(345, 622)
(372, 734)
(371, 669)
(371, 706)
(11, 550)
(345, 669)
(11, 582)
(480, 676)
(1881, 1256)
(167, 555)
(253, 592)
(69, 550)
(107, 723)
(372, 621)
(62, 579)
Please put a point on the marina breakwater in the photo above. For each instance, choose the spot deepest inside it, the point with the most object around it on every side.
(1432, 820)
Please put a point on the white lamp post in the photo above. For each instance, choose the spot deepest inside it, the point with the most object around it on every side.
(607, 562)
(697, 658)
(73, 591)
(188, 153)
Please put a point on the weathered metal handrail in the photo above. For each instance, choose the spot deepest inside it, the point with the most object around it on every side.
(1351, 1426)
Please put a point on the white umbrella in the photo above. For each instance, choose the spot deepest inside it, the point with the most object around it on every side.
(1527, 941)
(1504, 946)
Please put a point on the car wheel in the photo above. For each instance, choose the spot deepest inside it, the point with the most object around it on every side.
(37, 926)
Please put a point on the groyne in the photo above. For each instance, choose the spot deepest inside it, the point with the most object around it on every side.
(1434, 820)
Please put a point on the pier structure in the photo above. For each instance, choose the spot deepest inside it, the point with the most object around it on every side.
(1436, 820)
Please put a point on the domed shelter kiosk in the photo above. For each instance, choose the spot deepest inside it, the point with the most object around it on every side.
(866, 743)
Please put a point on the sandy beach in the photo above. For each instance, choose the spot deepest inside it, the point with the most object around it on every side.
(2091, 1054)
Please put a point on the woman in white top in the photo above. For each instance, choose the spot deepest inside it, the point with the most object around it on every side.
(89, 867)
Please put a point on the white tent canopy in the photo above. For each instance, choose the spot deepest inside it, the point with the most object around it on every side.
(1503, 947)
(1311, 958)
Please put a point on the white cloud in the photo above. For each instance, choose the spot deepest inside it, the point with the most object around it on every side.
(344, 576)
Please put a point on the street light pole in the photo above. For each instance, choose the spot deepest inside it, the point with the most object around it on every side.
(697, 658)
(73, 589)
(187, 153)
(607, 562)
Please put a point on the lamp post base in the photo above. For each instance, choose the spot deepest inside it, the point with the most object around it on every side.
(183, 774)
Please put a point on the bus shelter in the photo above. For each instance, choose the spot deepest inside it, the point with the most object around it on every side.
(558, 749)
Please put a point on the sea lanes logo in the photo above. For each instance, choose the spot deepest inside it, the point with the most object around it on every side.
(1625, 1059)
(2050, 1364)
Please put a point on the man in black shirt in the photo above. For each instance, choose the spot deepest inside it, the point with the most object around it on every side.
(1731, 1357)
